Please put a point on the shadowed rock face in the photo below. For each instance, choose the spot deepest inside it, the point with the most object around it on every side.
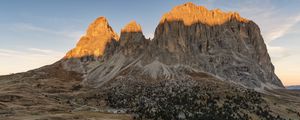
(186, 71)
(233, 51)
(189, 39)
(132, 40)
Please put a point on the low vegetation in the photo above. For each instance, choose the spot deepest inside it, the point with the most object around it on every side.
(189, 99)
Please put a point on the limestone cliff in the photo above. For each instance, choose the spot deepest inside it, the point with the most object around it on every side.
(132, 40)
(220, 43)
(201, 65)
(188, 40)
(190, 13)
(93, 43)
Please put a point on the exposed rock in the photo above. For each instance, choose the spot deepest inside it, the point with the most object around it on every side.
(194, 68)
(190, 14)
(132, 27)
(132, 40)
(189, 39)
(216, 42)
(94, 42)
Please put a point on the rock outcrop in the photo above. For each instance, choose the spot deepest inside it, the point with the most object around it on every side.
(93, 44)
(190, 13)
(223, 44)
(199, 65)
(132, 40)
(189, 39)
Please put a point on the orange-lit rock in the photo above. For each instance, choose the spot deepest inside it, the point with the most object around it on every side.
(94, 42)
(132, 40)
(190, 13)
(189, 38)
(132, 27)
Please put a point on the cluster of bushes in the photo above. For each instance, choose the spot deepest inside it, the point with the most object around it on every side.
(188, 99)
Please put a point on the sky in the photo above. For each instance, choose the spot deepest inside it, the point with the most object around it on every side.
(34, 33)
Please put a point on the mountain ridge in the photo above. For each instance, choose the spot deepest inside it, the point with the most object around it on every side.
(293, 87)
(190, 13)
(196, 14)
(190, 38)
(209, 69)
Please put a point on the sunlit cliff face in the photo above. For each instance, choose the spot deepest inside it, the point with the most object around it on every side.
(190, 13)
(99, 33)
(93, 43)
(132, 27)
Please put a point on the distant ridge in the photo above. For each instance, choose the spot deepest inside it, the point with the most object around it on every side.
(293, 87)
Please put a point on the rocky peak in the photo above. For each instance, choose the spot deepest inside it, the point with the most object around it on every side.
(132, 38)
(132, 26)
(213, 41)
(190, 13)
(188, 22)
(188, 39)
(93, 43)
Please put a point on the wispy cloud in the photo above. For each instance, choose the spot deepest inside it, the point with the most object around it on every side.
(24, 26)
(46, 51)
(278, 53)
(282, 28)
(72, 34)
(8, 51)
(273, 22)
(13, 61)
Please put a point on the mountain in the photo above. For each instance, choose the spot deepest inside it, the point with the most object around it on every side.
(294, 87)
(201, 64)
(93, 43)
(189, 39)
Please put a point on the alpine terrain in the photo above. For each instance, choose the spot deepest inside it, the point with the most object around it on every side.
(201, 65)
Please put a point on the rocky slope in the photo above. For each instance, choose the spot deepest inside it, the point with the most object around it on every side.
(201, 64)
(52, 93)
(188, 39)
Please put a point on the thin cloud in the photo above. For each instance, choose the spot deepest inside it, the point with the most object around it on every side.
(30, 27)
(29, 53)
(8, 51)
(41, 50)
(23, 26)
(13, 61)
(272, 22)
(271, 19)
(278, 53)
(282, 29)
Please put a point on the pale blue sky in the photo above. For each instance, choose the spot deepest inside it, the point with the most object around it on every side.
(39, 32)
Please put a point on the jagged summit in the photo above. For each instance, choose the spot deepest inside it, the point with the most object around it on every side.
(188, 40)
(132, 27)
(190, 13)
(195, 68)
(132, 40)
(93, 43)
(99, 26)
(100, 33)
